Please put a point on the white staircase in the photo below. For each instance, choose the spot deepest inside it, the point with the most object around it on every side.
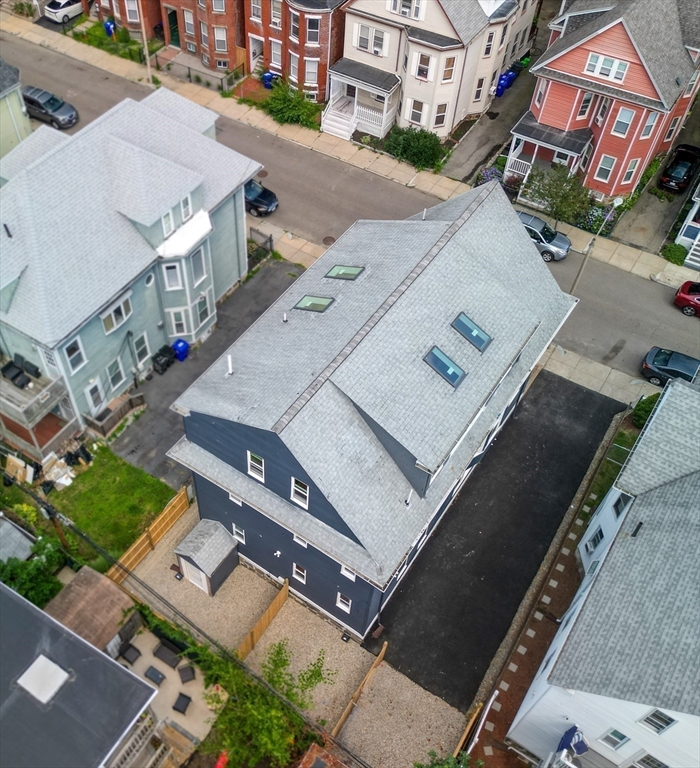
(338, 124)
(692, 260)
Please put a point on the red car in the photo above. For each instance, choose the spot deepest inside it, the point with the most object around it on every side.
(688, 298)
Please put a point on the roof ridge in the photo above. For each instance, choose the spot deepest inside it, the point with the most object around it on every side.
(344, 353)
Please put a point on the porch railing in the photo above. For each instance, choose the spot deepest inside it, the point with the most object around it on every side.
(368, 115)
(520, 167)
(20, 406)
(107, 425)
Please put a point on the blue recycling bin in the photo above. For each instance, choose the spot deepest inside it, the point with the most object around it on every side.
(502, 85)
(181, 349)
(268, 79)
(510, 75)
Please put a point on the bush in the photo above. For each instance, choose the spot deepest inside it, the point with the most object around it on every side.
(420, 148)
(34, 578)
(643, 410)
(675, 253)
(289, 105)
(123, 36)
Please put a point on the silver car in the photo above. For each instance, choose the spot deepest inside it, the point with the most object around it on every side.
(552, 245)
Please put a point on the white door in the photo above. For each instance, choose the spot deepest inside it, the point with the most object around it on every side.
(95, 396)
(256, 50)
(197, 577)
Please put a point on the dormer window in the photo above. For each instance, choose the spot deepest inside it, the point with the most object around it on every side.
(186, 208)
(168, 223)
(606, 66)
(408, 8)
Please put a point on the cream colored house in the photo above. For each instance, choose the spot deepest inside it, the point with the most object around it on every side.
(14, 121)
(422, 63)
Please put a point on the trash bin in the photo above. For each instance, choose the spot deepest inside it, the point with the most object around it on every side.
(511, 77)
(268, 79)
(502, 84)
(181, 348)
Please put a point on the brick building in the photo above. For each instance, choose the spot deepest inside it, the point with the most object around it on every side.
(127, 14)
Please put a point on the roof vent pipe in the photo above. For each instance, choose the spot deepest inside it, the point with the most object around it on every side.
(7, 230)
(424, 212)
(230, 366)
(637, 529)
(284, 317)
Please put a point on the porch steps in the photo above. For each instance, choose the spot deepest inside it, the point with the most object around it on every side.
(338, 124)
(692, 260)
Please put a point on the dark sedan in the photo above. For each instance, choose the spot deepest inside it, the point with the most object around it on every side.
(259, 201)
(681, 167)
(45, 106)
(661, 365)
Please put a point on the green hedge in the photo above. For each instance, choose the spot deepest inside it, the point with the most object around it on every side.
(643, 410)
(421, 148)
(289, 105)
(675, 253)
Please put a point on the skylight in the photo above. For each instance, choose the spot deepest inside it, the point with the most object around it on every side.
(471, 332)
(43, 679)
(314, 303)
(345, 273)
(448, 369)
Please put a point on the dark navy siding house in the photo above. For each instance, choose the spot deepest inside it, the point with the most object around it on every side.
(334, 433)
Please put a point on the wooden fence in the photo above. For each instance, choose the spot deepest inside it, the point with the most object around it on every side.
(147, 541)
(468, 729)
(353, 701)
(253, 637)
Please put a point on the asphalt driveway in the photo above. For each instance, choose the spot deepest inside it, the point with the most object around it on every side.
(456, 604)
(145, 442)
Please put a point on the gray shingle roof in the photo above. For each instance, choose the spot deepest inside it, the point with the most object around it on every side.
(366, 352)
(571, 141)
(14, 542)
(659, 30)
(431, 38)
(131, 161)
(185, 111)
(208, 544)
(9, 77)
(466, 16)
(363, 73)
(35, 146)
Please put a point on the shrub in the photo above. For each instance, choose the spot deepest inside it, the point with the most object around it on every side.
(500, 163)
(27, 512)
(488, 174)
(122, 35)
(289, 105)
(34, 578)
(675, 253)
(643, 410)
(420, 148)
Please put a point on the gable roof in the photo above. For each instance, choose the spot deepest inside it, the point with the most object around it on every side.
(664, 55)
(636, 637)
(468, 19)
(14, 541)
(132, 162)
(208, 544)
(88, 715)
(365, 366)
(9, 77)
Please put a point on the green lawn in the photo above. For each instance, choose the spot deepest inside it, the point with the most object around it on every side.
(112, 501)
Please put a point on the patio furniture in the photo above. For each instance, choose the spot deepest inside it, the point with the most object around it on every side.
(182, 703)
(167, 653)
(129, 652)
(186, 673)
(154, 675)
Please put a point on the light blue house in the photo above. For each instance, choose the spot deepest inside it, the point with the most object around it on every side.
(115, 241)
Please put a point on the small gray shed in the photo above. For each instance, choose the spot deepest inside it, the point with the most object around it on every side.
(207, 555)
(14, 542)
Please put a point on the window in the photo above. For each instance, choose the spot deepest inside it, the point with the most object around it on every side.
(256, 467)
(602, 111)
(293, 67)
(141, 348)
(658, 721)
(347, 573)
(605, 66)
(479, 89)
(626, 179)
(186, 208)
(220, 39)
(218, 6)
(256, 9)
(448, 72)
(115, 373)
(299, 573)
(593, 542)
(560, 157)
(168, 224)
(440, 115)
(203, 33)
(205, 59)
(514, 46)
(300, 493)
(115, 317)
(275, 53)
(238, 533)
(222, 63)
(172, 277)
(523, 37)
(345, 273)
(313, 31)
(692, 82)
(471, 332)
(671, 129)
(623, 122)
(202, 3)
(649, 125)
(311, 75)
(406, 7)
(202, 309)
(378, 43)
(294, 25)
(132, 10)
(178, 322)
(585, 106)
(489, 44)
(593, 567)
(235, 499)
(301, 542)
(614, 738)
(276, 13)
(363, 38)
(648, 761)
(504, 32)
(191, 47)
(416, 115)
(198, 268)
(540, 92)
(423, 67)
(189, 22)
(605, 167)
(75, 354)
(314, 303)
(344, 603)
(442, 364)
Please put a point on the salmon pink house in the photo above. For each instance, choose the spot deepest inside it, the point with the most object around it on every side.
(613, 90)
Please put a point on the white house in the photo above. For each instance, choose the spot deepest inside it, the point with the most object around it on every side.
(422, 63)
(689, 233)
(623, 668)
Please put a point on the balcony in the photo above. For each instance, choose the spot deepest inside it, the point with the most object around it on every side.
(29, 405)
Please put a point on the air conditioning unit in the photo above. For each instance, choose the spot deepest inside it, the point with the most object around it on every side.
(377, 51)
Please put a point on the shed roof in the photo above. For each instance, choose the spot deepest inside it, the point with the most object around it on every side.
(208, 544)
(363, 73)
(14, 542)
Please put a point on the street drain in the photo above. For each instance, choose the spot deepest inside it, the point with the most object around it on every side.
(262, 174)
(328, 240)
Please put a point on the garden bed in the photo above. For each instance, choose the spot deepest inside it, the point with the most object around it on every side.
(120, 44)
(419, 148)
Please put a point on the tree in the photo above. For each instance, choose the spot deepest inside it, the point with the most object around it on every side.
(562, 195)
(463, 760)
(34, 578)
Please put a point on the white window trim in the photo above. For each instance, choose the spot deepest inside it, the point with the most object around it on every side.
(168, 229)
(613, 132)
(691, 84)
(442, 115)
(218, 10)
(204, 34)
(539, 95)
(292, 496)
(178, 272)
(615, 65)
(186, 204)
(132, 13)
(255, 4)
(291, 25)
(82, 352)
(410, 112)
(589, 546)
(298, 540)
(116, 386)
(195, 309)
(643, 721)
(293, 57)
(488, 48)
(344, 571)
(188, 17)
(275, 21)
(610, 170)
(309, 82)
(93, 409)
(218, 40)
(608, 733)
(184, 312)
(427, 68)
(654, 117)
(143, 336)
(277, 65)
(204, 276)
(340, 604)
(444, 67)
(479, 92)
(583, 116)
(238, 533)
(299, 573)
(602, 112)
(671, 130)
(632, 168)
(310, 44)
(110, 311)
(253, 474)
(235, 499)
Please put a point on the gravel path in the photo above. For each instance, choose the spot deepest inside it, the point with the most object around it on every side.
(396, 722)
(307, 634)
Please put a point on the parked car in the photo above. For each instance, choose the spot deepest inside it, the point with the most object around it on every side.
(62, 11)
(552, 245)
(688, 298)
(681, 167)
(45, 106)
(660, 365)
(259, 201)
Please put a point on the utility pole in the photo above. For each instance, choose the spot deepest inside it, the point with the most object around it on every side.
(616, 203)
(145, 42)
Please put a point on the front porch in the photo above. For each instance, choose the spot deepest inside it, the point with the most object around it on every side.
(362, 98)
